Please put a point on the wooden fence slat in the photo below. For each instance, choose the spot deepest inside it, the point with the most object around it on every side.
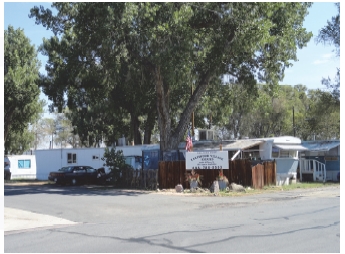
(258, 176)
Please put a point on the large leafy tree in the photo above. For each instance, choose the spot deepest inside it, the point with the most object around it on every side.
(267, 115)
(330, 34)
(21, 91)
(177, 45)
(242, 101)
(322, 116)
(294, 111)
(92, 73)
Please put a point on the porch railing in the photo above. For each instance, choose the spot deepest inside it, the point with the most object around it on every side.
(318, 169)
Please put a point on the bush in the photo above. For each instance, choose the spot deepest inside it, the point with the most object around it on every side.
(115, 161)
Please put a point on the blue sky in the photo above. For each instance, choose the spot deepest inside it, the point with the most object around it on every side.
(315, 61)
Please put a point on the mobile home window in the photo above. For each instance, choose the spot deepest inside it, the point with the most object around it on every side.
(24, 163)
(275, 152)
(287, 153)
(71, 158)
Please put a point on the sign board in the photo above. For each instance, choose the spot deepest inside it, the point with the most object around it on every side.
(207, 160)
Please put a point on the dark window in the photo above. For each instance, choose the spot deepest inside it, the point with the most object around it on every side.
(71, 158)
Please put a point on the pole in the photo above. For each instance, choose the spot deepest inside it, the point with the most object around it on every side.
(293, 121)
(192, 114)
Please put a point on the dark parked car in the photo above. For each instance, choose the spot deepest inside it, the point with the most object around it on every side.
(78, 175)
(7, 174)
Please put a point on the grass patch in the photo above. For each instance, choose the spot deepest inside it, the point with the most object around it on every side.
(273, 188)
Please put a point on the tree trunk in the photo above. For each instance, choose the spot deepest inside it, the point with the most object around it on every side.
(136, 136)
(170, 140)
(149, 125)
(164, 122)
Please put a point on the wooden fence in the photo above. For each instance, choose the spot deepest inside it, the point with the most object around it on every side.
(137, 179)
(171, 173)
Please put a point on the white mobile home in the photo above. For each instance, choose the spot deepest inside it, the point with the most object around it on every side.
(285, 150)
(21, 166)
(53, 159)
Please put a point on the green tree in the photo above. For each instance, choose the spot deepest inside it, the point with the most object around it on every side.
(21, 91)
(331, 34)
(115, 161)
(272, 112)
(178, 45)
(322, 116)
(242, 98)
(19, 142)
(92, 78)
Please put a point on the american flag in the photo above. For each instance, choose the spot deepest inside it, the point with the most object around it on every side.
(189, 143)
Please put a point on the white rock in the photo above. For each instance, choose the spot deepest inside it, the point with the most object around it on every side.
(179, 188)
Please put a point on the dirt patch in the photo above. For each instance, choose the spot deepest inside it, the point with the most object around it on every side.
(319, 191)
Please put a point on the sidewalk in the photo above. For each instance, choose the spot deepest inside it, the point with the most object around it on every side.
(16, 219)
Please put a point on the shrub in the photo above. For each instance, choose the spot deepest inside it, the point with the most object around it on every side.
(115, 161)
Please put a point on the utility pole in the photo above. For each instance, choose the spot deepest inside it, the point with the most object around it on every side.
(293, 121)
(192, 114)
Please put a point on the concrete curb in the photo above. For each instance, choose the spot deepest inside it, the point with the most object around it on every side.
(16, 219)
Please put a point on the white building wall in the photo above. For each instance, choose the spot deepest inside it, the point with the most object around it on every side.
(17, 173)
(47, 161)
(53, 159)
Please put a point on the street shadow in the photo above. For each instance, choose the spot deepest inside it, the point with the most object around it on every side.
(83, 190)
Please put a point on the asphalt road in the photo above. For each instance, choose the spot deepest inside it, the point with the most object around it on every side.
(82, 219)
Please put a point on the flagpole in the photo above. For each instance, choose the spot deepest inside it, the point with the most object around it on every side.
(192, 113)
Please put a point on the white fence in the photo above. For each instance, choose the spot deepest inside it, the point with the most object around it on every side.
(318, 169)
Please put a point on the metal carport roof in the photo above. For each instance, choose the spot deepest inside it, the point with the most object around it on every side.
(321, 145)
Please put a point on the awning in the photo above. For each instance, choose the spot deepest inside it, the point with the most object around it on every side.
(321, 145)
(295, 147)
(241, 144)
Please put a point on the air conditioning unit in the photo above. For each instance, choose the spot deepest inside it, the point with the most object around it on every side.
(206, 135)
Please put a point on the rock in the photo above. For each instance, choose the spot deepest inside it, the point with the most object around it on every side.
(179, 188)
(237, 187)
